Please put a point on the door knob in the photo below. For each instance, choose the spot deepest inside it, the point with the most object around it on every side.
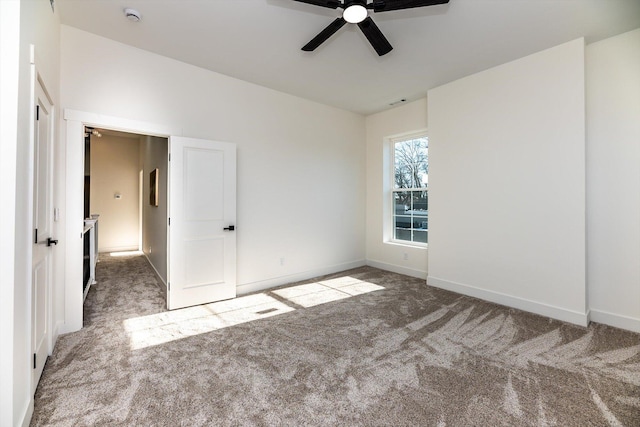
(51, 241)
(230, 228)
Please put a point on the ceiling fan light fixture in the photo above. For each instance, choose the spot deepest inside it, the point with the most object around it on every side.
(355, 13)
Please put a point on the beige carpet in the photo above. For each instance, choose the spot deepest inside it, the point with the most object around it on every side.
(362, 348)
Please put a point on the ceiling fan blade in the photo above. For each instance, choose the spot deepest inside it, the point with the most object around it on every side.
(387, 5)
(331, 4)
(375, 36)
(324, 35)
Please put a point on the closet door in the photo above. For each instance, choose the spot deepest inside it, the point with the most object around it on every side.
(44, 242)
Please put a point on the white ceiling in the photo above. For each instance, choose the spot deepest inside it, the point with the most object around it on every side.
(259, 41)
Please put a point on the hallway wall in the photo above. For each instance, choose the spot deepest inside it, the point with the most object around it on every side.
(153, 154)
(115, 171)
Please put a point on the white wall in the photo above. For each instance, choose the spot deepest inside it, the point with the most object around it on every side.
(24, 23)
(115, 169)
(408, 118)
(301, 165)
(153, 154)
(9, 78)
(507, 184)
(613, 180)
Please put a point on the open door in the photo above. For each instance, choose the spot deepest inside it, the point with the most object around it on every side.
(202, 215)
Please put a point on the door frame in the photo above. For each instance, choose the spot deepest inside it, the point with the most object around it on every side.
(73, 176)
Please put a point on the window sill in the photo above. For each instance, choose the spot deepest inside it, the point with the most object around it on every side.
(406, 244)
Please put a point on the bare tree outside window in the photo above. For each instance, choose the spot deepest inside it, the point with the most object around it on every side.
(410, 196)
(411, 163)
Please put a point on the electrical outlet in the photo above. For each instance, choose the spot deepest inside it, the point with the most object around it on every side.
(405, 256)
(282, 261)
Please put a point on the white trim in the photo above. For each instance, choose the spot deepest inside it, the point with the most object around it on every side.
(261, 285)
(28, 414)
(74, 226)
(408, 243)
(414, 134)
(542, 309)
(160, 279)
(615, 320)
(30, 211)
(121, 124)
(420, 274)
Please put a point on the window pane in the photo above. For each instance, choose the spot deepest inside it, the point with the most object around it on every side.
(411, 216)
(402, 220)
(420, 200)
(401, 202)
(420, 236)
(411, 165)
(403, 234)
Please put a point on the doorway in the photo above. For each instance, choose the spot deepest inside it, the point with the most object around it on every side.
(75, 123)
(116, 195)
(193, 169)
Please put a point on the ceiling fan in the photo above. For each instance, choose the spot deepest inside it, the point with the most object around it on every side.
(356, 12)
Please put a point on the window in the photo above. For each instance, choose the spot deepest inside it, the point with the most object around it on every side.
(410, 201)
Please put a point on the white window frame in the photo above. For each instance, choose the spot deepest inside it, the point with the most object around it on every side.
(389, 208)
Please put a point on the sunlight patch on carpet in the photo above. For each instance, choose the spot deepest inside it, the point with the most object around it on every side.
(161, 328)
(125, 253)
(173, 325)
(312, 294)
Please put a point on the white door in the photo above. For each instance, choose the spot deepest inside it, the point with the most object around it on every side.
(202, 215)
(42, 235)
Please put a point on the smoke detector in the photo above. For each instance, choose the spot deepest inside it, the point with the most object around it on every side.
(132, 15)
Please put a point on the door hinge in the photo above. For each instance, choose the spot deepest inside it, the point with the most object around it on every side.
(35, 237)
(34, 361)
(169, 156)
(168, 286)
(37, 112)
(169, 221)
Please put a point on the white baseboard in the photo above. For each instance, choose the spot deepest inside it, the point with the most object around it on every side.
(261, 285)
(615, 320)
(554, 312)
(163, 284)
(118, 249)
(56, 334)
(28, 414)
(397, 269)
